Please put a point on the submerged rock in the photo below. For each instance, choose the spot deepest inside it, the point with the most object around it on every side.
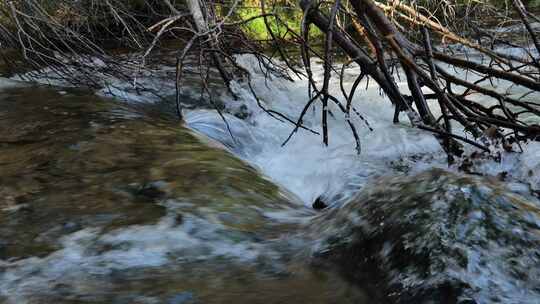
(90, 162)
(319, 204)
(125, 207)
(436, 237)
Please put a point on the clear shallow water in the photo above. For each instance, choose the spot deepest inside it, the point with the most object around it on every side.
(210, 227)
(101, 203)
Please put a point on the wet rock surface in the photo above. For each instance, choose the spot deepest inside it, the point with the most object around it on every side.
(436, 238)
(69, 162)
(103, 203)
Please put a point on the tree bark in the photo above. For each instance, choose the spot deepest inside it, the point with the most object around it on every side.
(201, 24)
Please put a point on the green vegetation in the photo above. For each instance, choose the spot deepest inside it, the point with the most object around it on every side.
(290, 17)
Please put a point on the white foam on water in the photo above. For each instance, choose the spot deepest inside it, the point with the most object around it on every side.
(133, 82)
(90, 252)
(304, 165)
(9, 83)
(308, 168)
(523, 167)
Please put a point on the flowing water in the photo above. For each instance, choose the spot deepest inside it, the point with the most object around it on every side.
(102, 202)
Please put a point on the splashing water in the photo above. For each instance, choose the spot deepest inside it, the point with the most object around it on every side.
(304, 165)
(308, 168)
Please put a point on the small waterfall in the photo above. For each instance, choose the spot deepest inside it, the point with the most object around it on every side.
(309, 169)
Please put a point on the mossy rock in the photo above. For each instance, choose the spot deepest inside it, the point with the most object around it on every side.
(436, 237)
(72, 157)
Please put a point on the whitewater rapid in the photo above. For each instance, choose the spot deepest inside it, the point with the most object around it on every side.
(304, 166)
(308, 168)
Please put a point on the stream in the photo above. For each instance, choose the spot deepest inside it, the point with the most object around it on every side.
(104, 201)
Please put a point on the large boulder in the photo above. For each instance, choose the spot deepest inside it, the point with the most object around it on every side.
(436, 237)
(106, 203)
(72, 160)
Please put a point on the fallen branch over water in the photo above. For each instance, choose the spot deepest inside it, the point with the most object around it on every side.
(385, 39)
